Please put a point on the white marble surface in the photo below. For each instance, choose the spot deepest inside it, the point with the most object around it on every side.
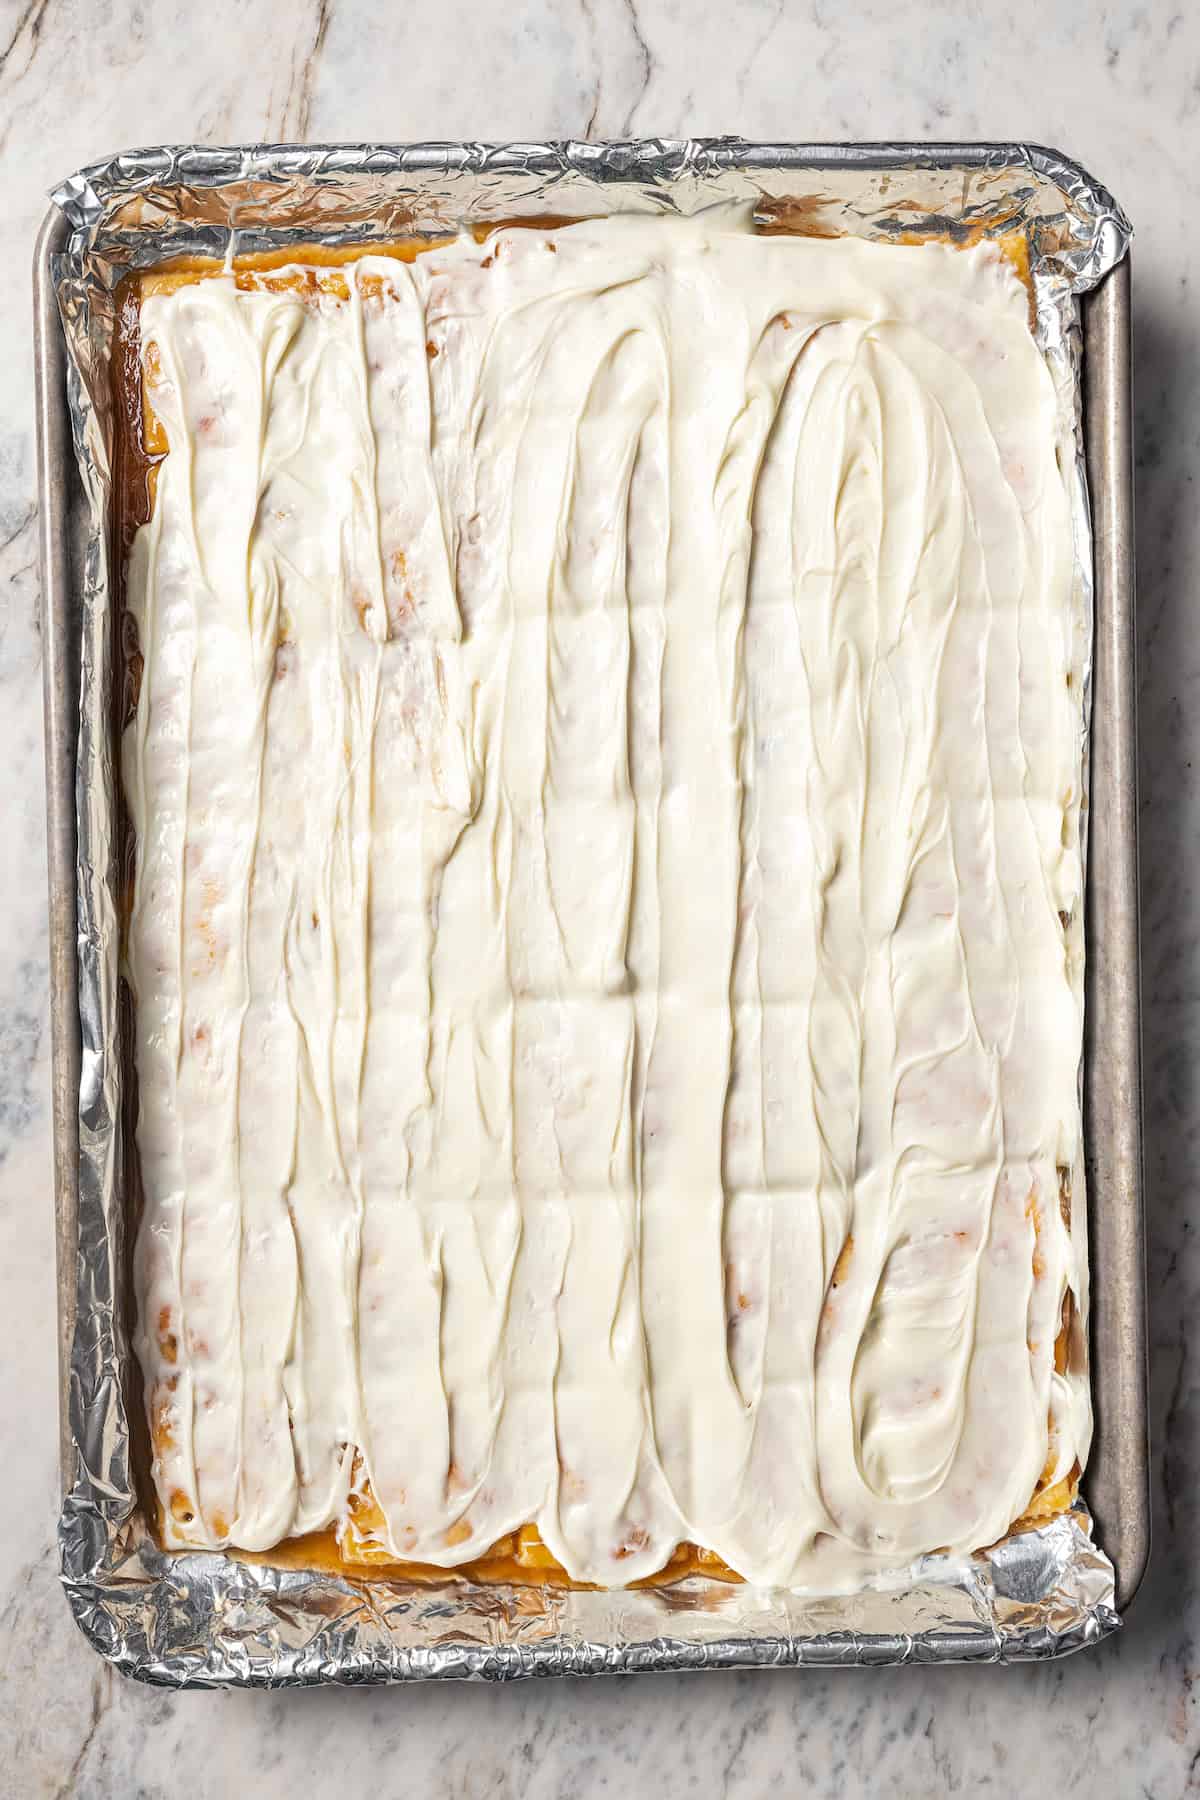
(1119, 88)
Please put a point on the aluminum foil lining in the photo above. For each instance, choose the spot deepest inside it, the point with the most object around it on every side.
(204, 1619)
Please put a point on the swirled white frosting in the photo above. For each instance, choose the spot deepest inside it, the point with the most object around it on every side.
(606, 942)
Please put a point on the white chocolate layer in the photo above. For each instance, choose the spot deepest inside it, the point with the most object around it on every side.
(606, 781)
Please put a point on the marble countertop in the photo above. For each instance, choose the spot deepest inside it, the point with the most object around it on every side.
(1118, 87)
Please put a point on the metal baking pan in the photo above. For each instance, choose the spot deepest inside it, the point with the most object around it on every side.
(279, 1625)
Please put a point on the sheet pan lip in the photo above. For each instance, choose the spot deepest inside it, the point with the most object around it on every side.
(559, 1658)
(211, 164)
(592, 1658)
(56, 469)
(1118, 1472)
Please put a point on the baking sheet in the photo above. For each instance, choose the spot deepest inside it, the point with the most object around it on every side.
(208, 1619)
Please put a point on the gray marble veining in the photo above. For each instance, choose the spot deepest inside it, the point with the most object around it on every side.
(1119, 88)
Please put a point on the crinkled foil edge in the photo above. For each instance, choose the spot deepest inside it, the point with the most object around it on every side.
(212, 1620)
